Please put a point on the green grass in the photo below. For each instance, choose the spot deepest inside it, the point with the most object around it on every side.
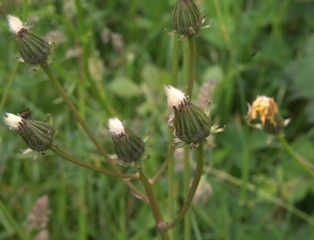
(252, 48)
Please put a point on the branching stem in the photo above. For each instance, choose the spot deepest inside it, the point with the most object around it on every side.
(194, 185)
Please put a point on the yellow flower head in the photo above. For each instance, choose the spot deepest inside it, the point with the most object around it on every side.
(265, 108)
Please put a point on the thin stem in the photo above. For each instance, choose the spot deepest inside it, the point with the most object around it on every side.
(191, 68)
(164, 165)
(294, 156)
(169, 162)
(82, 202)
(153, 204)
(85, 127)
(84, 164)
(136, 193)
(189, 65)
(73, 109)
(186, 186)
(194, 185)
(171, 184)
(175, 60)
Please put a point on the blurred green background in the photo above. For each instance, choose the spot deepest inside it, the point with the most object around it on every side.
(252, 188)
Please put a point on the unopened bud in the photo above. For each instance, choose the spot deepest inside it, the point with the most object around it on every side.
(33, 49)
(186, 18)
(191, 124)
(128, 146)
(38, 135)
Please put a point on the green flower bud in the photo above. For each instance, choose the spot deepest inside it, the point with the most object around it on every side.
(38, 135)
(186, 18)
(33, 49)
(190, 124)
(128, 146)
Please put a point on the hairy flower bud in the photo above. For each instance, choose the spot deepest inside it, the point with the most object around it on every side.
(38, 135)
(33, 49)
(128, 146)
(266, 109)
(191, 125)
(186, 18)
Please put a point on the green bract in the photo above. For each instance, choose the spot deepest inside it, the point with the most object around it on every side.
(186, 18)
(191, 124)
(33, 49)
(37, 135)
(128, 146)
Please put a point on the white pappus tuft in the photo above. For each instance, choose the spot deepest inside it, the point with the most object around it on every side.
(15, 24)
(116, 127)
(12, 120)
(174, 96)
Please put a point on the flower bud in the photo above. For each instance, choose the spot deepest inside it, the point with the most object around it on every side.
(266, 109)
(186, 18)
(190, 124)
(38, 135)
(33, 49)
(128, 146)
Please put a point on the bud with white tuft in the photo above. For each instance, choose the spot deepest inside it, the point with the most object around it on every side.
(34, 49)
(191, 124)
(116, 127)
(38, 135)
(128, 146)
(13, 121)
(174, 96)
(17, 27)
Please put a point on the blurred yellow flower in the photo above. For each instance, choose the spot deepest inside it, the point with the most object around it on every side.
(264, 108)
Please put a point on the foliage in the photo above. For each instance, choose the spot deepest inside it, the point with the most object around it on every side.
(118, 50)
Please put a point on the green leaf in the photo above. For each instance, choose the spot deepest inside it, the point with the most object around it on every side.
(124, 87)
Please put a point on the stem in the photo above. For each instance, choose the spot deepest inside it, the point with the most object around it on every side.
(172, 193)
(186, 186)
(191, 67)
(294, 156)
(171, 185)
(164, 165)
(189, 72)
(85, 127)
(73, 109)
(194, 185)
(82, 202)
(175, 60)
(153, 204)
(84, 164)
